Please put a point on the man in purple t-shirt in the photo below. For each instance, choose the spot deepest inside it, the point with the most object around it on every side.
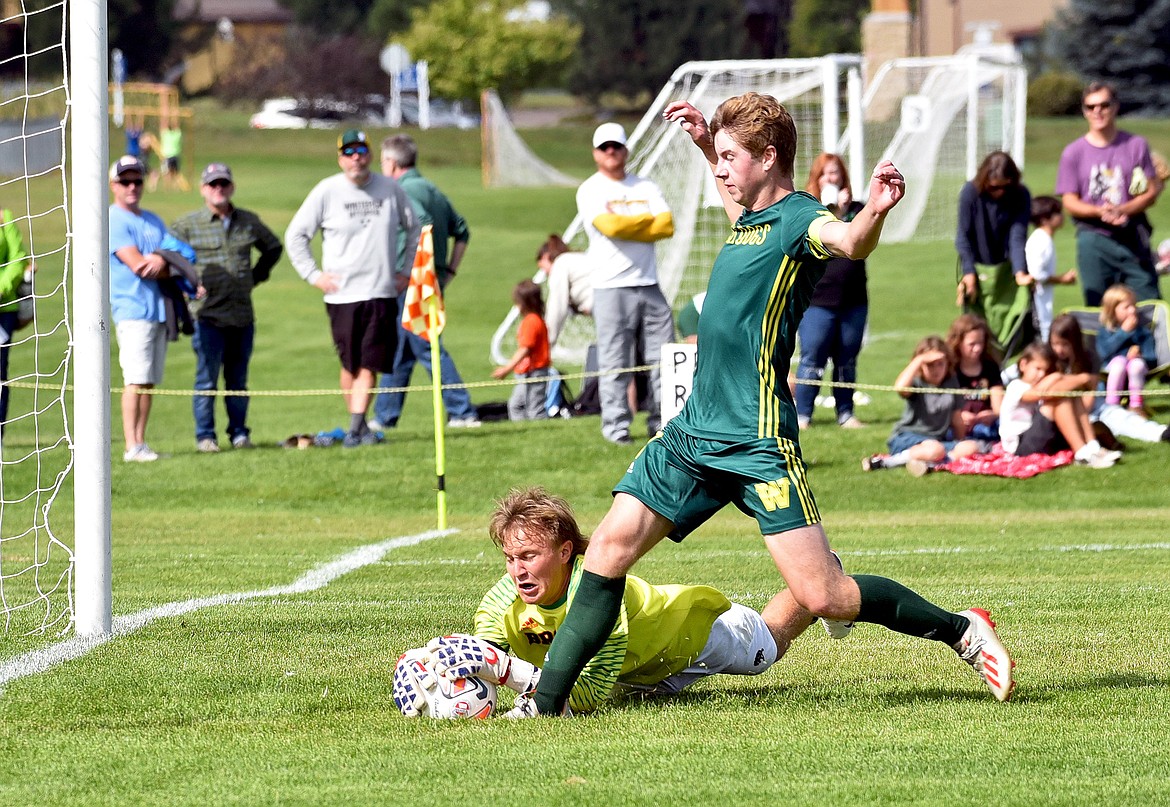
(1106, 182)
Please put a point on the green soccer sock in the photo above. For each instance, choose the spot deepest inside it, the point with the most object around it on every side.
(889, 603)
(589, 622)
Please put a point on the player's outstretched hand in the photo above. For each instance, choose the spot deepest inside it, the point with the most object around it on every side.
(691, 120)
(413, 679)
(463, 656)
(887, 186)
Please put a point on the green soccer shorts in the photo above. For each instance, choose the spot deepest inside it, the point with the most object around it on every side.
(688, 479)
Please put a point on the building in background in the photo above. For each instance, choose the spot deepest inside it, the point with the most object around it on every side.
(213, 31)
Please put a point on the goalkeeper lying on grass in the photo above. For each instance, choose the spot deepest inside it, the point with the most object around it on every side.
(666, 638)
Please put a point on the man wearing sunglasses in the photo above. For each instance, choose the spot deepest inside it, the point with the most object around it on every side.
(136, 302)
(361, 215)
(223, 237)
(623, 215)
(1106, 181)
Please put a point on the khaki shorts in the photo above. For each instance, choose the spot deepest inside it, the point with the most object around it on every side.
(142, 351)
(688, 479)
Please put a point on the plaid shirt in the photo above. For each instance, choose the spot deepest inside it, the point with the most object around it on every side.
(223, 258)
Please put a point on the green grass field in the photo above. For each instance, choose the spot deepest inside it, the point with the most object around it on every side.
(283, 695)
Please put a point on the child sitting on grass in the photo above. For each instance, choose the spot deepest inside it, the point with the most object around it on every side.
(1125, 346)
(531, 360)
(1035, 419)
(919, 440)
(978, 372)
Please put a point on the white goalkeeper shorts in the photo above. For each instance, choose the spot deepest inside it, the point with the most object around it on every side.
(740, 644)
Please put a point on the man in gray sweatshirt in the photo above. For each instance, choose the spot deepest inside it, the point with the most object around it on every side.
(361, 216)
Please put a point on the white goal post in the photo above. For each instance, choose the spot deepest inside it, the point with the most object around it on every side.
(56, 432)
(936, 118)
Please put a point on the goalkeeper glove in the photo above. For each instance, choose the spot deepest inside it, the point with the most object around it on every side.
(413, 680)
(463, 656)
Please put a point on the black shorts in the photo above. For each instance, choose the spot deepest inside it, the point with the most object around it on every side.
(365, 333)
(1042, 437)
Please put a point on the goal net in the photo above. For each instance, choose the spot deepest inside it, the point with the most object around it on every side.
(38, 540)
(936, 118)
(507, 160)
(36, 565)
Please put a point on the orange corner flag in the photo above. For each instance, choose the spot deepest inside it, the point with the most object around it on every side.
(424, 285)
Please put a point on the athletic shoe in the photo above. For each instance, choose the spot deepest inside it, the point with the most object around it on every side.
(207, 446)
(464, 423)
(352, 440)
(981, 648)
(803, 422)
(851, 423)
(140, 453)
(242, 441)
(836, 628)
(918, 467)
(375, 425)
(1100, 459)
(873, 463)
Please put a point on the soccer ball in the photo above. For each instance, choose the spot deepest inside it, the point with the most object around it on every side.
(463, 697)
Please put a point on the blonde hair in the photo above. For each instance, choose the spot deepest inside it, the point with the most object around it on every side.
(755, 122)
(1114, 296)
(542, 518)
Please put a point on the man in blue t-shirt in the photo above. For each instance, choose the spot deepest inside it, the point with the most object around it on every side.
(136, 301)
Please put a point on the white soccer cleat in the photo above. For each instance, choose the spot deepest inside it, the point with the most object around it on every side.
(836, 628)
(981, 648)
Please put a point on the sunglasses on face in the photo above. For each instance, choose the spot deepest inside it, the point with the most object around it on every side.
(1101, 107)
(350, 151)
(125, 183)
(219, 183)
(610, 146)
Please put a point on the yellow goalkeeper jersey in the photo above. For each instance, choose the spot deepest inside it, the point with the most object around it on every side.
(661, 631)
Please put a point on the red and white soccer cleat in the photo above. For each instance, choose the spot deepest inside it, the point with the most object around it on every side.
(981, 648)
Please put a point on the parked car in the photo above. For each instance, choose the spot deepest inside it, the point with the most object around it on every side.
(292, 113)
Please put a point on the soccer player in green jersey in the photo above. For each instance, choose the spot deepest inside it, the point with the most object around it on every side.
(736, 440)
(665, 638)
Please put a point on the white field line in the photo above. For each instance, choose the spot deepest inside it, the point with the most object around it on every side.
(45, 658)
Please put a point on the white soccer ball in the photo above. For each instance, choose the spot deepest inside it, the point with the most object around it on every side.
(463, 697)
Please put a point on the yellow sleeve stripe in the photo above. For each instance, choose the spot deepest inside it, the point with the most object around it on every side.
(814, 235)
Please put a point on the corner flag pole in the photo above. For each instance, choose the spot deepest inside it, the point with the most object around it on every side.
(437, 405)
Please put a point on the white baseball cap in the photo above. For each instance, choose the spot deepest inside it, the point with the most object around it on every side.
(609, 133)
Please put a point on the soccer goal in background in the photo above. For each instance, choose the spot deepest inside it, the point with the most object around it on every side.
(55, 565)
(935, 118)
(507, 161)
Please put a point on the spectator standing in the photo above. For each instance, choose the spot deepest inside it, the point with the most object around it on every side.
(623, 215)
(361, 216)
(994, 208)
(1107, 181)
(171, 148)
(136, 302)
(1047, 217)
(223, 237)
(14, 261)
(531, 360)
(399, 161)
(834, 323)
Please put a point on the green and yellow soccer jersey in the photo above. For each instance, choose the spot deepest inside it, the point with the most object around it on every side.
(760, 286)
(661, 631)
